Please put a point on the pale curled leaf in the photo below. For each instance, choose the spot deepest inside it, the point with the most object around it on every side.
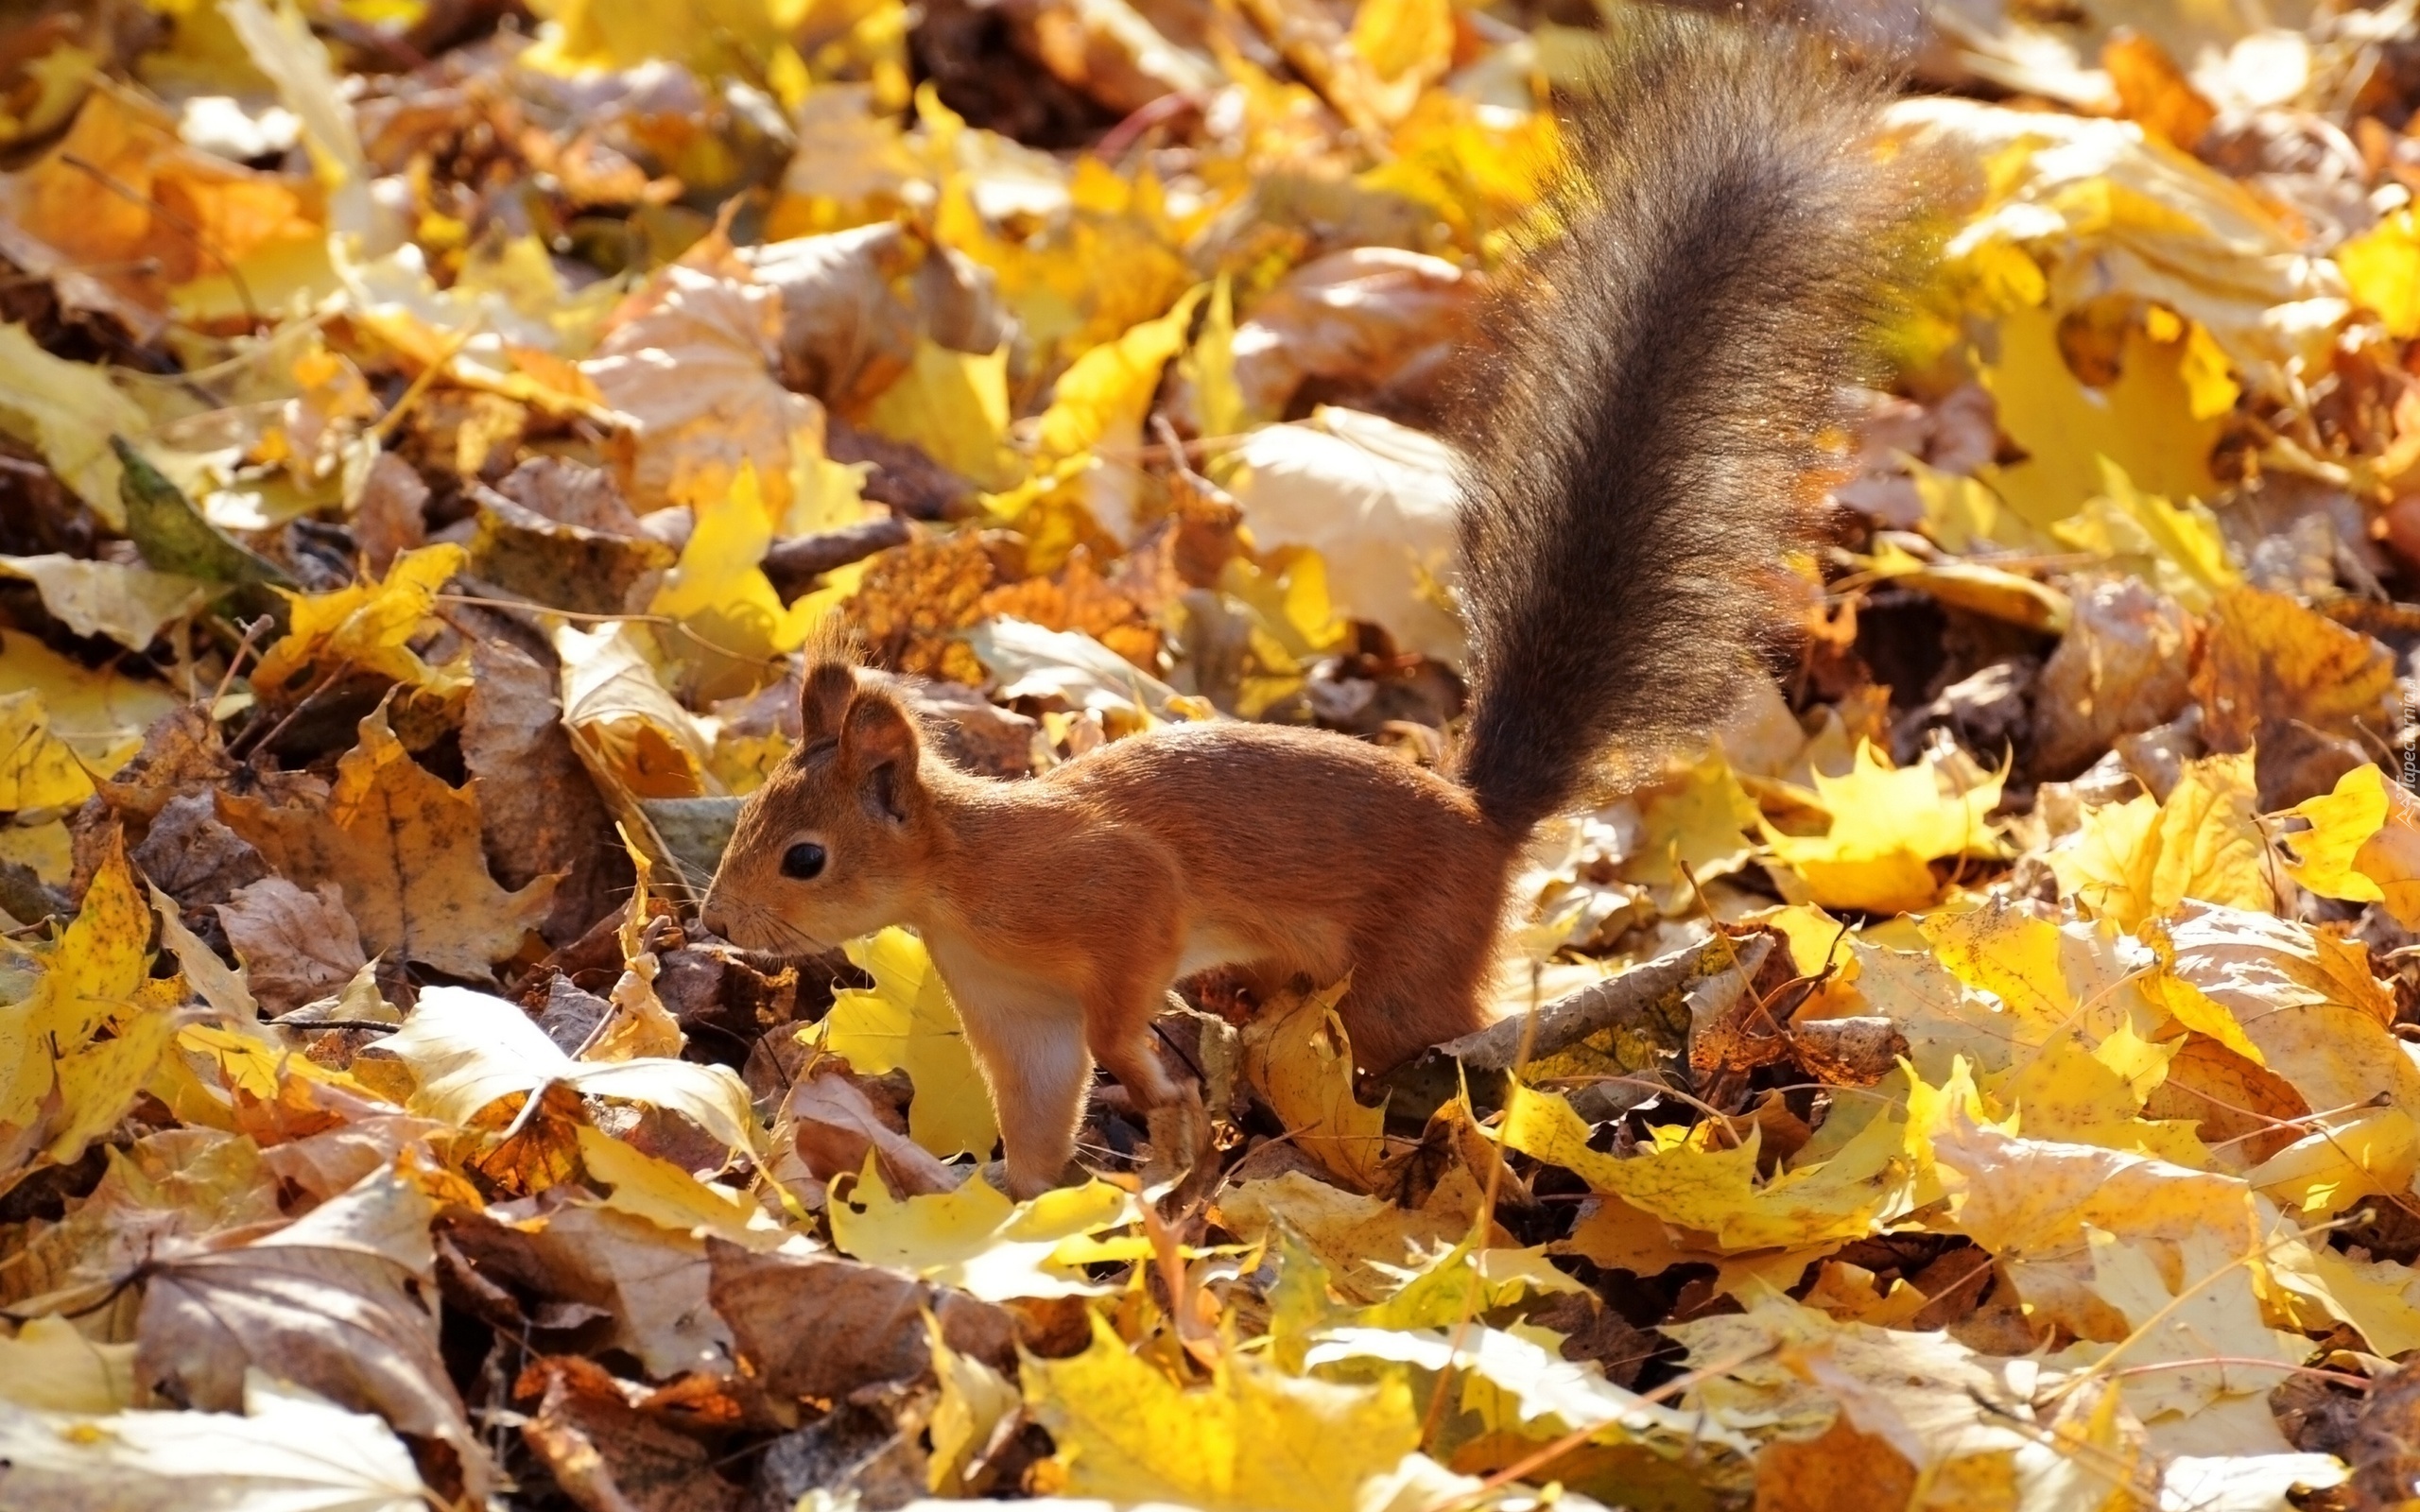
(127, 603)
(323, 1302)
(289, 1450)
(470, 1049)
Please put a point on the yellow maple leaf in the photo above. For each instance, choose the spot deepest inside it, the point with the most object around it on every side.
(1405, 40)
(2381, 1298)
(666, 1196)
(2382, 265)
(2144, 422)
(718, 590)
(1296, 1056)
(977, 1239)
(2269, 660)
(2139, 859)
(1253, 1440)
(1888, 825)
(907, 1022)
(2178, 546)
(976, 1401)
(713, 36)
(1112, 260)
(1697, 828)
(2065, 1091)
(1986, 590)
(368, 625)
(1099, 404)
(1364, 1241)
(1962, 513)
(955, 406)
(2370, 1152)
(2325, 857)
(1209, 366)
(1463, 162)
(69, 410)
(2305, 998)
(76, 1049)
(127, 603)
(38, 770)
(1465, 1279)
(1684, 1180)
(218, 1066)
(2080, 985)
(99, 714)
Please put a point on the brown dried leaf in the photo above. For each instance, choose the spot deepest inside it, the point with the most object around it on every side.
(820, 1326)
(166, 1188)
(386, 519)
(296, 947)
(607, 1455)
(694, 357)
(830, 1125)
(845, 337)
(570, 495)
(572, 567)
(182, 755)
(626, 1284)
(405, 847)
(2121, 667)
(2270, 663)
(188, 854)
(323, 1164)
(1375, 325)
(539, 811)
(326, 1302)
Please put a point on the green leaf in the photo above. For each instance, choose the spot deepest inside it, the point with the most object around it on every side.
(174, 537)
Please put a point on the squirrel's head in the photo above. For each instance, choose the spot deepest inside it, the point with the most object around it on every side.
(832, 845)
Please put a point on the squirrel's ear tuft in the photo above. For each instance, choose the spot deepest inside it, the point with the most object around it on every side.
(881, 743)
(823, 698)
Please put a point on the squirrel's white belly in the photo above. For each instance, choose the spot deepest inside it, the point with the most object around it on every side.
(1206, 947)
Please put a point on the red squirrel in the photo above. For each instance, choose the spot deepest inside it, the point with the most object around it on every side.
(1642, 438)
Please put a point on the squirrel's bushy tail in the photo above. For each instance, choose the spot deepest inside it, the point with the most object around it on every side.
(1643, 438)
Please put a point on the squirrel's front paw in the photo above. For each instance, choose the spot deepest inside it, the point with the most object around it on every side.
(1026, 1188)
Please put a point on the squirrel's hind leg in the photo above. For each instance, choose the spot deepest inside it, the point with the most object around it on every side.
(1118, 1022)
(1411, 992)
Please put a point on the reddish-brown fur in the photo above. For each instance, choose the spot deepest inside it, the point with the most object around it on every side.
(1151, 858)
(1637, 443)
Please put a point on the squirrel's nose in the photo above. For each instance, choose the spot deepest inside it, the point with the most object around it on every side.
(710, 918)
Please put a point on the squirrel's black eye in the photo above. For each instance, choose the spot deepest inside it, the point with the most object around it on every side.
(802, 862)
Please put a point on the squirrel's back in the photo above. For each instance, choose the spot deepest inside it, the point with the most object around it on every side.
(1643, 435)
